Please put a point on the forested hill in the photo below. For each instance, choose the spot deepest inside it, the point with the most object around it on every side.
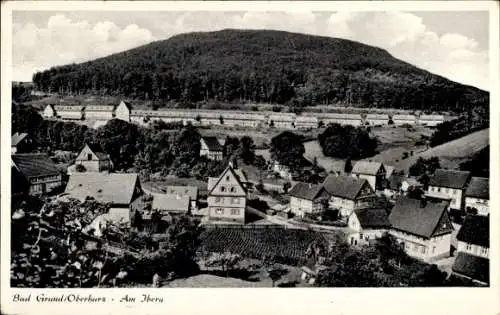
(262, 66)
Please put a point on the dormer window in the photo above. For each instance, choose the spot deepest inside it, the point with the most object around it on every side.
(227, 178)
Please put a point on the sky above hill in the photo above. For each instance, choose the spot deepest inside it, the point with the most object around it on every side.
(451, 44)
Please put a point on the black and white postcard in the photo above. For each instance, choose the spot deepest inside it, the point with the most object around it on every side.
(330, 157)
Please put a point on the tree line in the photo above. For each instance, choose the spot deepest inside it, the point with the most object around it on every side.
(261, 66)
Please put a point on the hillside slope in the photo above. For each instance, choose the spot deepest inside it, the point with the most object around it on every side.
(262, 66)
(453, 152)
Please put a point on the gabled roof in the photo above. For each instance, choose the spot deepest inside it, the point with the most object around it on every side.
(98, 151)
(408, 215)
(305, 191)
(449, 178)
(213, 181)
(241, 175)
(212, 143)
(474, 267)
(17, 138)
(171, 203)
(373, 218)
(35, 165)
(115, 188)
(479, 187)
(343, 186)
(190, 191)
(475, 230)
(366, 167)
(388, 170)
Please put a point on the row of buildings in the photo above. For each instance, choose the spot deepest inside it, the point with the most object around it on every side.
(251, 119)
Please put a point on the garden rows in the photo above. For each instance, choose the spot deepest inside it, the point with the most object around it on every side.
(284, 245)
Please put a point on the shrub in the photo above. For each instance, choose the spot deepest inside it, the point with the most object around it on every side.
(80, 168)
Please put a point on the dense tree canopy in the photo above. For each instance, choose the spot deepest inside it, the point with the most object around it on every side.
(424, 166)
(347, 142)
(262, 66)
(287, 148)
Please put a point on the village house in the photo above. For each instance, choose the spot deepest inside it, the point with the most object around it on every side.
(400, 185)
(373, 172)
(122, 111)
(306, 122)
(243, 119)
(449, 185)
(423, 228)
(472, 260)
(211, 148)
(49, 112)
(282, 121)
(400, 119)
(21, 143)
(93, 159)
(308, 199)
(477, 196)
(70, 112)
(121, 190)
(171, 204)
(184, 191)
(39, 174)
(348, 193)
(226, 197)
(99, 112)
(376, 119)
(367, 225)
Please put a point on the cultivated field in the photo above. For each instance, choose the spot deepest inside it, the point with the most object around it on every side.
(284, 244)
(452, 153)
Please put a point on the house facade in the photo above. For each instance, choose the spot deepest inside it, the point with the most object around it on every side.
(49, 112)
(93, 159)
(404, 119)
(282, 121)
(423, 228)
(100, 112)
(377, 119)
(122, 111)
(40, 174)
(348, 193)
(306, 122)
(226, 197)
(70, 112)
(211, 148)
(472, 260)
(450, 185)
(477, 196)
(367, 225)
(373, 172)
(308, 199)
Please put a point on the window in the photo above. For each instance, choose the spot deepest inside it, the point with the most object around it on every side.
(233, 189)
(227, 178)
(433, 249)
(235, 211)
(217, 199)
(484, 250)
(468, 247)
(438, 189)
(219, 211)
(235, 200)
(222, 188)
(367, 237)
(89, 156)
(423, 249)
(361, 235)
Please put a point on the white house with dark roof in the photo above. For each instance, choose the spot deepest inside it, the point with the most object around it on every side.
(423, 228)
(400, 119)
(226, 197)
(377, 119)
(211, 148)
(308, 198)
(49, 111)
(121, 190)
(373, 172)
(473, 246)
(449, 185)
(93, 159)
(171, 204)
(38, 172)
(367, 225)
(477, 195)
(306, 122)
(348, 193)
